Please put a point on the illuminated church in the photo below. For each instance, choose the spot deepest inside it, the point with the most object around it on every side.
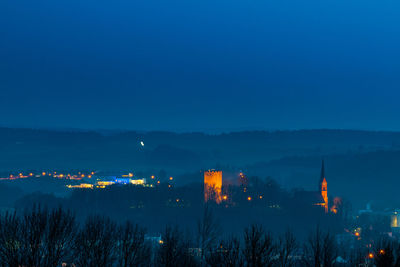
(323, 188)
(316, 198)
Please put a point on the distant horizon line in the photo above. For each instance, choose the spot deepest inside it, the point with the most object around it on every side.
(183, 131)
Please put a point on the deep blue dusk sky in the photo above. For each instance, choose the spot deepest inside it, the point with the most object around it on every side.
(200, 65)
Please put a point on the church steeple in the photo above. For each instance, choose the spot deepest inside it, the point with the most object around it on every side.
(323, 186)
(321, 179)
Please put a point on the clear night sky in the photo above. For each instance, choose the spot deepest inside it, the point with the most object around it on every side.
(200, 65)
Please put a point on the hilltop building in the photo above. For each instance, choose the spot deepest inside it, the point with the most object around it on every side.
(212, 185)
(316, 198)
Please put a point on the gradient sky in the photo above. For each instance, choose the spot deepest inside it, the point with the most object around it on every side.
(200, 65)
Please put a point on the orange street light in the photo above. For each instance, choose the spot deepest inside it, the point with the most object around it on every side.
(371, 255)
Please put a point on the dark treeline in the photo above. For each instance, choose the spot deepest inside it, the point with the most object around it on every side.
(53, 237)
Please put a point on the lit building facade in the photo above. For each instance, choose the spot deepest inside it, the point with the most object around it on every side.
(213, 186)
(395, 221)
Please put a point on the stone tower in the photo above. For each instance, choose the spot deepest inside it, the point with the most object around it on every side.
(212, 185)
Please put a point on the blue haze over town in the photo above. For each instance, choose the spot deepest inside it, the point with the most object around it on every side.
(199, 133)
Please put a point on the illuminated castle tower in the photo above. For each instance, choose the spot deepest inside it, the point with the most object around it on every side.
(323, 187)
(212, 185)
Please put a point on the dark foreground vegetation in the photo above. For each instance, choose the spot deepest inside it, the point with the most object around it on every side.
(42, 237)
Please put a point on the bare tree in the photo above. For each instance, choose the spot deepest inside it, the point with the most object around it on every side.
(33, 233)
(207, 231)
(384, 253)
(132, 248)
(10, 240)
(38, 238)
(320, 249)
(286, 248)
(356, 256)
(60, 233)
(313, 249)
(227, 254)
(329, 250)
(258, 247)
(173, 251)
(95, 244)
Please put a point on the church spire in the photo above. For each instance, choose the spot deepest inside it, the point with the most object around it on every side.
(322, 170)
(323, 186)
(321, 179)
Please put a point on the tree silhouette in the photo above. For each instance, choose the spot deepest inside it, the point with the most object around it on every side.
(132, 249)
(10, 240)
(286, 249)
(226, 254)
(173, 251)
(95, 243)
(207, 231)
(59, 237)
(320, 250)
(258, 247)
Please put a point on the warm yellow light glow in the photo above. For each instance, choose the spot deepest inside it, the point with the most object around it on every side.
(357, 234)
(370, 255)
(171, 178)
(90, 186)
(158, 182)
(43, 173)
(212, 185)
(161, 242)
(224, 197)
(249, 198)
(130, 174)
(260, 197)
(394, 221)
(31, 174)
(324, 193)
(177, 200)
(105, 183)
(138, 181)
(152, 177)
(381, 252)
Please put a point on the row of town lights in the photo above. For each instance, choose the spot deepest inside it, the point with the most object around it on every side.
(249, 198)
